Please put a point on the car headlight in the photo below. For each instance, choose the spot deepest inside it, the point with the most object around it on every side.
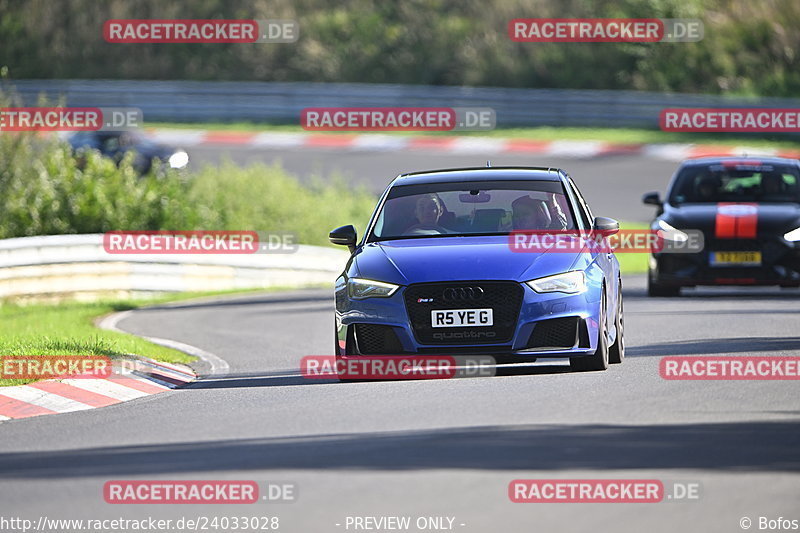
(179, 159)
(670, 233)
(358, 288)
(568, 282)
(793, 235)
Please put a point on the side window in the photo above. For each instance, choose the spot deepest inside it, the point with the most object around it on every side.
(583, 202)
(582, 209)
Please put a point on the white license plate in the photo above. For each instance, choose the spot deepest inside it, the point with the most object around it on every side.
(454, 318)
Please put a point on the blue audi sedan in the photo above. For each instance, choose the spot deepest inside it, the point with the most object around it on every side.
(436, 271)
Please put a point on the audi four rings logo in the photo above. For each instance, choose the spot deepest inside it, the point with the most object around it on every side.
(462, 294)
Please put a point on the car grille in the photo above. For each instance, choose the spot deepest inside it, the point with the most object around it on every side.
(373, 339)
(503, 297)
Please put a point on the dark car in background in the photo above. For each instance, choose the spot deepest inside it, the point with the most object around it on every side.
(748, 209)
(116, 144)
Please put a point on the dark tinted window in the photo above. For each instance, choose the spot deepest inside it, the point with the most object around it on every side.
(472, 208)
(736, 182)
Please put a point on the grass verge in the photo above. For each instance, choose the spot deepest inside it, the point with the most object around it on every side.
(68, 329)
(632, 263)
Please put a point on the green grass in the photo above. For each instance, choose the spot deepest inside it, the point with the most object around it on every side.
(632, 263)
(613, 135)
(68, 329)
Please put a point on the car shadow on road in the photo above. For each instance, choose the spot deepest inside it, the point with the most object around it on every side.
(734, 294)
(732, 345)
(763, 446)
(291, 378)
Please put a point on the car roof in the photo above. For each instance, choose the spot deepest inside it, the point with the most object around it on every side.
(478, 174)
(754, 158)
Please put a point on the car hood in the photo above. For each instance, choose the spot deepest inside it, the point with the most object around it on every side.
(419, 260)
(767, 217)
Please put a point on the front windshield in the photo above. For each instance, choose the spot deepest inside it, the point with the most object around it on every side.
(472, 208)
(732, 181)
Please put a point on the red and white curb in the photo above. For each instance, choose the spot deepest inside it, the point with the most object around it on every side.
(141, 377)
(377, 142)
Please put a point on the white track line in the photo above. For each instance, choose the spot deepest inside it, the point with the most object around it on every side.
(278, 140)
(575, 148)
(478, 145)
(106, 388)
(379, 142)
(219, 367)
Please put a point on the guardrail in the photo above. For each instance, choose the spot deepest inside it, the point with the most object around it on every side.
(78, 266)
(195, 101)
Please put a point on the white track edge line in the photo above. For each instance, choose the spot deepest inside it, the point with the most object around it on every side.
(219, 367)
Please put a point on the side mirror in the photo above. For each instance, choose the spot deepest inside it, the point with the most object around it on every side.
(606, 226)
(651, 198)
(344, 236)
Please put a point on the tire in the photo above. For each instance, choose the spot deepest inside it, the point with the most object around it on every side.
(598, 360)
(658, 290)
(616, 352)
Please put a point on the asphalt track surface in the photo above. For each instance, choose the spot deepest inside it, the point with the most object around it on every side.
(612, 184)
(437, 447)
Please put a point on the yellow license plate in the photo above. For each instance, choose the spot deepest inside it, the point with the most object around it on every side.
(736, 258)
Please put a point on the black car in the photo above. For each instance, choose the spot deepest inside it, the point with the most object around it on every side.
(748, 210)
(115, 144)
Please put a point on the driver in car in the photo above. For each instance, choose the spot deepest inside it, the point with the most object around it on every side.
(531, 214)
(428, 210)
(772, 184)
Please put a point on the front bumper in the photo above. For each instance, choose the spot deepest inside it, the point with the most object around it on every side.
(780, 265)
(546, 325)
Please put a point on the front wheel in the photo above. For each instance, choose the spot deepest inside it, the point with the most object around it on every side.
(598, 360)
